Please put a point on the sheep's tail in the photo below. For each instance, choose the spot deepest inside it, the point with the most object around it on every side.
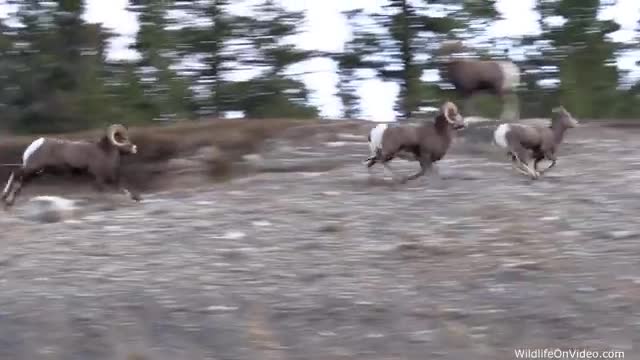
(500, 136)
(375, 138)
(375, 142)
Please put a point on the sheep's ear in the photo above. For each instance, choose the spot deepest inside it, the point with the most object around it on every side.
(559, 109)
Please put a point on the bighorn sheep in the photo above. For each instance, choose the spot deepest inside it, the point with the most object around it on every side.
(101, 159)
(524, 142)
(426, 143)
(471, 76)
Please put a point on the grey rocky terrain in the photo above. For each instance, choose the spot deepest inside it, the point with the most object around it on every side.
(315, 258)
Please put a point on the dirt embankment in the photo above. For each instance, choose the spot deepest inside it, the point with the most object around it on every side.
(183, 154)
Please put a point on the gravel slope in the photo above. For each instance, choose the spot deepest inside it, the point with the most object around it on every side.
(340, 264)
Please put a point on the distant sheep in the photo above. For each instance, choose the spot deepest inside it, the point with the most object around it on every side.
(100, 158)
(471, 76)
(537, 142)
(427, 143)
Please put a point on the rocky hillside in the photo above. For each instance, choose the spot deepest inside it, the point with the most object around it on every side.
(309, 256)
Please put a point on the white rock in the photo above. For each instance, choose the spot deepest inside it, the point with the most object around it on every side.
(311, 174)
(549, 218)
(252, 158)
(233, 235)
(221, 308)
(49, 209)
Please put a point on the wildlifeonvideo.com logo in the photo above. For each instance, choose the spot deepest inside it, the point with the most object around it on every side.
(567, 354)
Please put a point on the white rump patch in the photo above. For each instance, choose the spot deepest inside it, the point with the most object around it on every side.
(511, 73)
(500, 135)
(31, 149)
(376, 137)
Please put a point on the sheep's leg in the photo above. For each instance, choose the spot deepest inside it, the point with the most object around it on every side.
(523, 167)
(100, 184)
(534, 174)
(425, 164)
(20, 178)
(509, 107)
(529, 171)
(515, 163)
(517, 166)
(515, 106)
(8, 187)
(385, 159)
(389, 170)
(375, 157)
(520, 158)
(553, 163)
(370, 161)
(133, 195)
(435, 171)
(11, 196)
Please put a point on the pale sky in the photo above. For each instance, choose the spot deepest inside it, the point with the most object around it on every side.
(326, 29)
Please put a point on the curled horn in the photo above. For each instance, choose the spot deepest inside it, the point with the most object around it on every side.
(447, 108)
(117, 129)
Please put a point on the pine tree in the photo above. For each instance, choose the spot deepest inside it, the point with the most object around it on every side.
(585, 57)
(59, 68)
(170, 93)
(205, 35)
(272, 93)
(410, 36)
(352, 59)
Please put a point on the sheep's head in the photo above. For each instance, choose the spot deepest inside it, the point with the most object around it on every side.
(119, 137)
(450, 112)
(562, 117)
(449, 47)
